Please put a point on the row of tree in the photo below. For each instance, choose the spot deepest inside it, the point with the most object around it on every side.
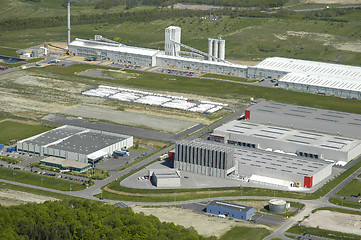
(84, 219)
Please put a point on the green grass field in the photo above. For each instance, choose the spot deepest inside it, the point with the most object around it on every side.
(35, 179)
(13, 130)
(352, 188)
(323, 233)
(245, 233)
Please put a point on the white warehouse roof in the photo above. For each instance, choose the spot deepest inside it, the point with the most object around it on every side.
(113, 47)
(322, 81)
(315, 73)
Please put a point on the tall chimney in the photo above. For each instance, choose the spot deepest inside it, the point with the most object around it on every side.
(68, 24)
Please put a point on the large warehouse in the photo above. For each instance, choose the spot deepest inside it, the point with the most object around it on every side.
(306, 144)
(263, 167)
(75, 143)
(306, 118)
(310, 76)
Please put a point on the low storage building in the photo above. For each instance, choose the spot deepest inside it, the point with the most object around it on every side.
(165, 178)
(230, 210)
(66, 165)
(75, 143)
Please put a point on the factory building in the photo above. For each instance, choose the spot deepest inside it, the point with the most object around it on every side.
(306, 144)
(165, 178)
(259, 166)
(65, 164)
(306, 118)
(230, 210)
(75, 143)
(203, 158)
(172, 56)
(310, 76)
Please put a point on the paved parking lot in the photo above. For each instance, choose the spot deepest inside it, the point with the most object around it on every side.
(268, 220)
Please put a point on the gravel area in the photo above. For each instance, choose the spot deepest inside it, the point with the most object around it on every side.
(10, 197)
(130, 119)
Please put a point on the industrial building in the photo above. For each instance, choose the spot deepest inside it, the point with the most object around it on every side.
(230, 210)
(65, 164)
(172, 56)
(258, 166)
(306, 118)
(166, 178)
(203, 158)
(75, 143)
(306, 144)
(310, 76)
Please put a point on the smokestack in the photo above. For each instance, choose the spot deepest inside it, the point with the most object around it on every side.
(68, 24)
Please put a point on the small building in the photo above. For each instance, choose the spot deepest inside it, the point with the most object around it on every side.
(166, 178)
(230, 210)
(65, 165)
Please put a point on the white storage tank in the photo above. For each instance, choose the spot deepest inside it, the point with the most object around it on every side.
(210, 48)
(215, 48)
(277, 206)
(221, 48)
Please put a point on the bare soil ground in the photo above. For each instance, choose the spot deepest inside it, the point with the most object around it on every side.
(10, 197)
(204, 224)
(334, 221)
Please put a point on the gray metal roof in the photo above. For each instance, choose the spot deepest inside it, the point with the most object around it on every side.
(278, 163)
(228, 205)
(282, 134)
(87, 142)
(329, 121)
(206, 144)
(75, 139)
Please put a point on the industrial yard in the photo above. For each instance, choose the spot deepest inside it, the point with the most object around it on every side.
(235, 122)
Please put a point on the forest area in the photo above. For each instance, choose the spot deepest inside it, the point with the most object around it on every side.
(77, 219)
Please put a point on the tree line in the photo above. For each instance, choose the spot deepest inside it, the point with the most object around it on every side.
(84, 219)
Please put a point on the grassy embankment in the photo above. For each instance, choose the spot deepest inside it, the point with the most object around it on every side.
(14, 130)
(39, 180)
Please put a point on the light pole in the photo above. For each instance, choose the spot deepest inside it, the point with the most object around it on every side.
(209, 193)
(14, 177)
(70, 187)
(41, 182)
(241, 189)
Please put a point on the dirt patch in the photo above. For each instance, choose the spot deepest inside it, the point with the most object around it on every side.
(204, 224)
(10, 197)
(20, 121)
(351, 46)
(334, 221)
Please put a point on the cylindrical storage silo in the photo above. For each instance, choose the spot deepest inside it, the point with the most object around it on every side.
(221, 48)
(34, 54)
(215, 48)
(210, 48)
(277, 206)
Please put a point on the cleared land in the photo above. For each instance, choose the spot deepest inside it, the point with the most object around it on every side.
(205, 225)
(334, 221)
(131, 119)
(10, 197)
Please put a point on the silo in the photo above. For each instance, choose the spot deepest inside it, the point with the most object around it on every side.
(277, 206)
(34, 54)
(215, 48)
(221, 48)
(210, 48)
